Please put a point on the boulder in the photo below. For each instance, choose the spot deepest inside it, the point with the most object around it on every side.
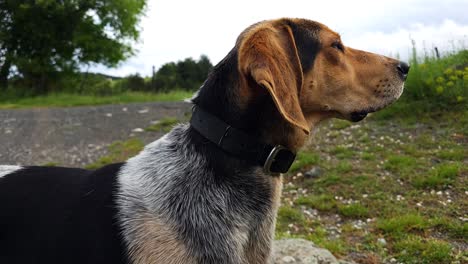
(301, 251)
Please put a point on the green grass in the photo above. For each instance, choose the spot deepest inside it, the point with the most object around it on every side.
(320, 202)
(304, 159)
(444, 80)
(441, 176)
(342, 152)
(68, 100)
(118, 151)
(399, 163)
(417, 250)
(164, 125)
(406, 184)
(353, 210)
(399, 225)
(453, 154)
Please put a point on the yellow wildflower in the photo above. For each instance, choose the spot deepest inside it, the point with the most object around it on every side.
(440, 79)
(453, 78)
(450, 84)
(439, 89)
(459, 98)
(459, 73)
(448, 71)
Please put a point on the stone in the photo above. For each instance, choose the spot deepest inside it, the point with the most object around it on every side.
(382, 241)
(315, 172)
(301, 251)
(288, 259)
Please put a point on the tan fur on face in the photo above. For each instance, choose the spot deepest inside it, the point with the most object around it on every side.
(344, 82)
(338, 84)
(156, 243)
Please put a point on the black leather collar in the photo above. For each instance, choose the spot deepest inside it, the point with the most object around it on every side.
(273, 159)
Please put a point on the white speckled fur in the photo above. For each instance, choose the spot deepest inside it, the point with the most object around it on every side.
(8, 169)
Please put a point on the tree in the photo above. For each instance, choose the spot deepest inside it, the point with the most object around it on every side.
(47, 38)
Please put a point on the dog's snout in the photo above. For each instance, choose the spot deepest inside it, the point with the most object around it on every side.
(403, 69)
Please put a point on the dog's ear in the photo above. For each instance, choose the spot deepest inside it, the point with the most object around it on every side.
(268, 55)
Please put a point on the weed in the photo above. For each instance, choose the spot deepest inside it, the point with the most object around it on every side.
(321, 202)
(342, 152)
(355, 210)
(417, 250)
(304, 159)
(70, 99)
(441, 176)
(399, 225)
(399, 163)
(164, 125)
(118, 151)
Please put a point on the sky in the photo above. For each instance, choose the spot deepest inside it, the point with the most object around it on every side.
(173, 30)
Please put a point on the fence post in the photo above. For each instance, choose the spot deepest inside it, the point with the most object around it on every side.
(437, 52)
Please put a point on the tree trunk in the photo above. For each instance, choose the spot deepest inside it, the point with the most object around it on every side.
(4, 72)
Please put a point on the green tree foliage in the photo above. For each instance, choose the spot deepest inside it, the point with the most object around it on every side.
(187, 74)
(41, 40)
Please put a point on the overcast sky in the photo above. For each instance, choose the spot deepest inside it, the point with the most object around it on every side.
(173, 30)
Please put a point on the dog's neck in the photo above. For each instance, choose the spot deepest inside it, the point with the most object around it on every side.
(246, 106)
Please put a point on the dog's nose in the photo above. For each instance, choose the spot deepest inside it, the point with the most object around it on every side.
(403, 69)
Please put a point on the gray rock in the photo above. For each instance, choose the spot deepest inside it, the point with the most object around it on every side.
(301, 251)
(315, 172)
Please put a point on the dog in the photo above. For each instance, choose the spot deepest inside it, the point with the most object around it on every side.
(208, 191)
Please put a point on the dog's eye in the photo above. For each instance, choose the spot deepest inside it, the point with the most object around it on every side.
(337, 45)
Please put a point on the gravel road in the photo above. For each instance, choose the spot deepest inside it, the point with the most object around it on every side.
(79, 135)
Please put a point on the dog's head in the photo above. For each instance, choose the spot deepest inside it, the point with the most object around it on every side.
(311, 75)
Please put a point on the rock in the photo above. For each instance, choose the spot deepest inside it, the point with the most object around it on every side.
(315, 172)
(301, 251)
(288, 259)
(382, 241)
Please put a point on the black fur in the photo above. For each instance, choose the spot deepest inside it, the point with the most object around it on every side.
(307, 42)
(59, 215)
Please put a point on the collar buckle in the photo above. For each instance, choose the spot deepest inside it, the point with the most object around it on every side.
(271, 158)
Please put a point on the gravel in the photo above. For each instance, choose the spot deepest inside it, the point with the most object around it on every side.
(77, 136)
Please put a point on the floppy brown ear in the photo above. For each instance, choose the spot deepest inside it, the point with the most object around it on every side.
(270, 57)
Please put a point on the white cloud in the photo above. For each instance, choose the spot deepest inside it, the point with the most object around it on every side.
(446, 37)
(174, 30)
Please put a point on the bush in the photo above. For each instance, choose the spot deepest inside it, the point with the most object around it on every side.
(440, 82)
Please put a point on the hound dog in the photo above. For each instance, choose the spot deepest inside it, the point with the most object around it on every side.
(208, 191)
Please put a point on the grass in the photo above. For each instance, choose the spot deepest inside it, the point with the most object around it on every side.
(321, 202)
(304, 158)
(444, 80)
(417, 250)
(164, 125)
(441, 176)
(401, 179)
(69, 99)
(353, 210)
(117, 152)
(403, 224)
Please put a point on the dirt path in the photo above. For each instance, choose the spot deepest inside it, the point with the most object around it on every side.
(76, 136)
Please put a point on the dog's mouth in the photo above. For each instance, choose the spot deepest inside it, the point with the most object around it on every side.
(357, 116)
